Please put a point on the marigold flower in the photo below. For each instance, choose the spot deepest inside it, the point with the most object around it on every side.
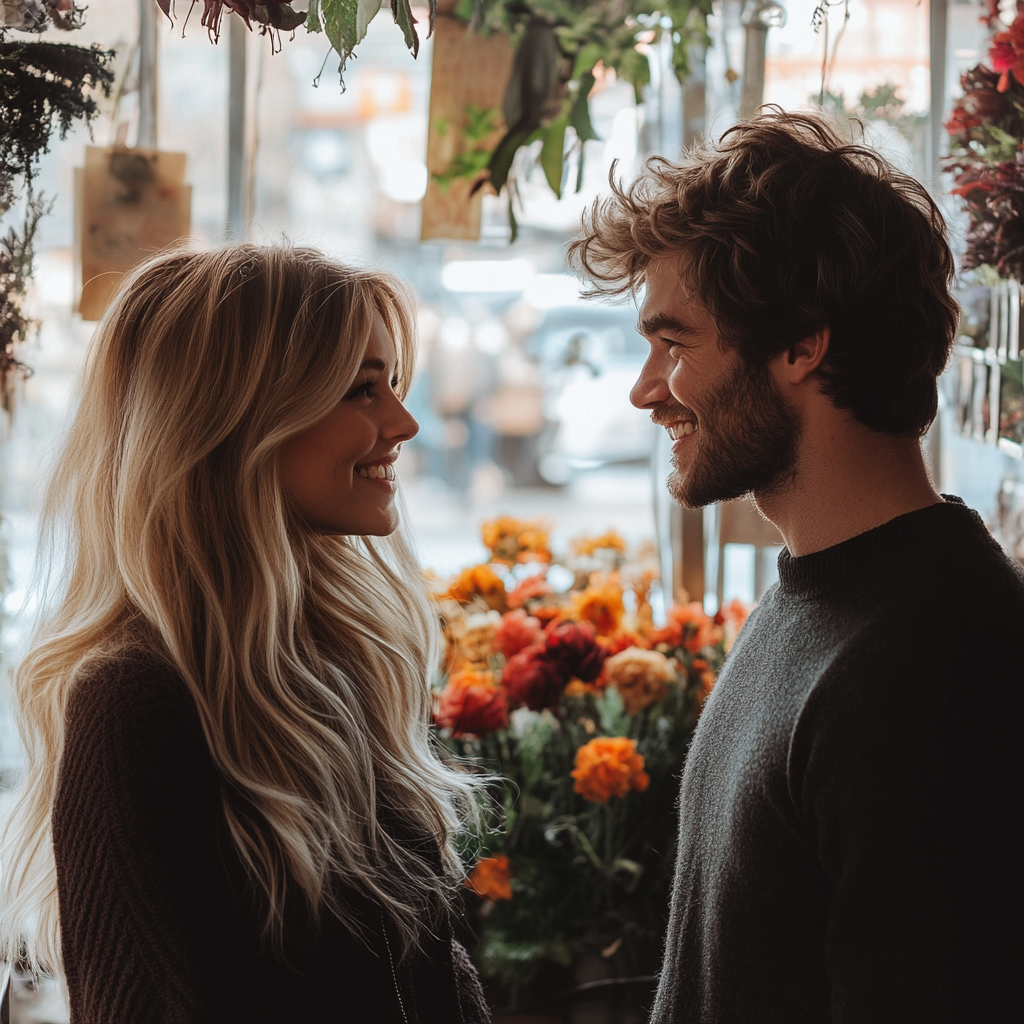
(640, 676)
(609, 766)
(472, 703)
(688, 626)
(491, 878)
(574, 647)
(601, 604)
(514, 540)
(516, 632)
(533, 678)
(611, 540)
(479, 581)
(529, 590)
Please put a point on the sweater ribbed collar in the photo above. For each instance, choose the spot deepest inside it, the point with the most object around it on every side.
(860, 556)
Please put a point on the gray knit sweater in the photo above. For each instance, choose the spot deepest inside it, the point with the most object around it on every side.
(848, 802)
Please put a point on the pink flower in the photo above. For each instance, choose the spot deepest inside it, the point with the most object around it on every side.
(516, 632)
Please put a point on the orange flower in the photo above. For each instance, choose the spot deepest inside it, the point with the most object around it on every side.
(609, 766)
(588, 545)
(491, 878)
(515, 540)
(688, 626)
(475, 636)
(732, 616)
(601, 604)
(640, 676)
(516, 632)
(479, 581)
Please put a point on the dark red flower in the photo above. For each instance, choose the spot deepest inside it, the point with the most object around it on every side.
(574, 647)
(533, 678)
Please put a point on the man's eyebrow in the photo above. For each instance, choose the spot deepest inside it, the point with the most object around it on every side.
(649, 326)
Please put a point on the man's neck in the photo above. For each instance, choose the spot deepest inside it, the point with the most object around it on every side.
(848, 480)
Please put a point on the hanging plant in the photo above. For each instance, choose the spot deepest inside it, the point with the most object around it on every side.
(559, 44)
(344, 22)
(45, 87)
(986, 148)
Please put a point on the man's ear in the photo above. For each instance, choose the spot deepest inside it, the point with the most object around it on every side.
(803, 357)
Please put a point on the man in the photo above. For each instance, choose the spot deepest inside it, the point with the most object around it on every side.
(848, 800)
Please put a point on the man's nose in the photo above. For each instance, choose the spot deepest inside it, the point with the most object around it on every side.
(651, 387)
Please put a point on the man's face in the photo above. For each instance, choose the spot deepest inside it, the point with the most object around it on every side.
(732, 431)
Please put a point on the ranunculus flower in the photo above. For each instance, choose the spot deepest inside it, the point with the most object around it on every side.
(640, 676)
(601, 604)
(491, 878)
(472, 703)
(476, 642)
(516, 632)
(479, 581)
(533, 678)
(609, 766)
(574, 647)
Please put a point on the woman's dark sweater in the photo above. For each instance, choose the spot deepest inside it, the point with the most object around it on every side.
(159, 923)
(848, 804)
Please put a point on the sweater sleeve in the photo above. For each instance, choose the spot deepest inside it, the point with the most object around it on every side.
(134, 780)
(900, 774)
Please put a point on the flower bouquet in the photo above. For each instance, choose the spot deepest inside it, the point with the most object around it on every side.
(986, 130)
(560, 683)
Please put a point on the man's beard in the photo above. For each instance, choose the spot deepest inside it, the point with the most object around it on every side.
(746, 440)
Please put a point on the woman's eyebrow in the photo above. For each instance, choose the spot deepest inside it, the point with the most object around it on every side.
(374, 364)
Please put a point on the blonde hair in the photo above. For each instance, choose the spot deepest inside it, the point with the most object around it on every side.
(308, 656)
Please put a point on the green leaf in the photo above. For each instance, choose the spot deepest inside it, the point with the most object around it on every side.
(552, 154)
(407, 23)
(579, 113)
(313, 17)
(588, 56)
(634, 67)
(345, 22)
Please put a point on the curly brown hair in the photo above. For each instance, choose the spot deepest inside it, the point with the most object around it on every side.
(782, 228)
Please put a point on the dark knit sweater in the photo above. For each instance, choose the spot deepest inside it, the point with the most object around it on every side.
(848, 803)
(159, 922)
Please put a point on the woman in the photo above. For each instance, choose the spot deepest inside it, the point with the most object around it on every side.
(225, 713)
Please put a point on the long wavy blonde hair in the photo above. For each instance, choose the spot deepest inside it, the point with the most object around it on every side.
(308, 656)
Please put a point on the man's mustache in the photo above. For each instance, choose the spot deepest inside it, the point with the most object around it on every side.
(670, 412)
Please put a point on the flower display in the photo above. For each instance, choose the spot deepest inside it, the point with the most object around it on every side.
(609, 766)
(491, 878)
(986, 151)
(512, 541)
(641, 677)
(471, 704)
(574, 702)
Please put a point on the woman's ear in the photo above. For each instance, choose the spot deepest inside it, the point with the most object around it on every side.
(802, 358)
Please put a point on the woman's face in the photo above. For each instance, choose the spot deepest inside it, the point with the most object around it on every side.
(339, 473)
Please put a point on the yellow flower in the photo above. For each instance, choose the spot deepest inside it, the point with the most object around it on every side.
(479, 581)
(588, 545)
(515, 540)
(491, 878)
(640, 676)
(601, 604)
(609, 766)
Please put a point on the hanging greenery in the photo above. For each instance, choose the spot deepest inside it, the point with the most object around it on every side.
(559, 46)
(344, 22)
(43, 87)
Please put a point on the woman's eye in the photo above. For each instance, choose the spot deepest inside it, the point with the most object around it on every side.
(364, 390)
(394, 383)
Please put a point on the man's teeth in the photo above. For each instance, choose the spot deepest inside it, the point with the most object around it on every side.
(678, 430)
(385, 471)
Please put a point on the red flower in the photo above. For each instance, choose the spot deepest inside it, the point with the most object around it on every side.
(471, 703)
(531, 588)
(516, 632)
(533, 678)
(574, 647)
